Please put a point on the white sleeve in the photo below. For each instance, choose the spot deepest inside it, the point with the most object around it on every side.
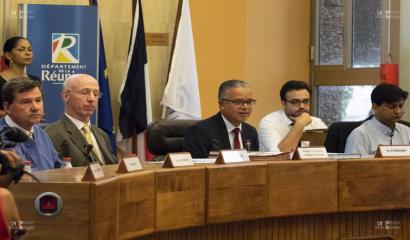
(269, 136)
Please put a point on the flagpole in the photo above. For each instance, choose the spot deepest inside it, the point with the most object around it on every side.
(177, 19)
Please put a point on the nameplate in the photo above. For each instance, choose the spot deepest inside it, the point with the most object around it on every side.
(232, 156)
(393, 151)
(94, 171)
(156, 39)
(310, 153)
(129, 164)
(178, 160)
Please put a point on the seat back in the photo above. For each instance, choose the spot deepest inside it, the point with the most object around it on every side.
(165, 136)
(337, 134)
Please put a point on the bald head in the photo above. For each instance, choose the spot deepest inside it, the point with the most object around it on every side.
(76, 79)
(80, 94)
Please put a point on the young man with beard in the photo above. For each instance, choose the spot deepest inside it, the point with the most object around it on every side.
(227, 129)
(387, 105)
(282, 130)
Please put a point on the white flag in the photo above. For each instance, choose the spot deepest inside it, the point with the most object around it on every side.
(181, 95)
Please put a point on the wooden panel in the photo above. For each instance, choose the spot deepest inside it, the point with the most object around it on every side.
(301, 187)
(236, 192)
(374, 184)
(180, 198)
(71, 223)
(334, 226)
(104, 209)
(136, 204)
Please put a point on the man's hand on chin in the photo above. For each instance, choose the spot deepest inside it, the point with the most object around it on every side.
(303, 119)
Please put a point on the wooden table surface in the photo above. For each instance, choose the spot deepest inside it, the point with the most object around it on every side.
(282, 199)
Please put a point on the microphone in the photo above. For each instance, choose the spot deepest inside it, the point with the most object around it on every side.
(88, 148)
(391, 134)
(9, 137)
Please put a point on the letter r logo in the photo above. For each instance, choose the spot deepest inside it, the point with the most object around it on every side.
(65, 48)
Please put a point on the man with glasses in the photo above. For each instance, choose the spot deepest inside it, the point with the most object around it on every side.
(282, 130)
(387, 105)
(23, 104)
(73, 135)
(227, 129)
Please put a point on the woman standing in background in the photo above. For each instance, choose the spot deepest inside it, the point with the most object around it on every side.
(18, 54)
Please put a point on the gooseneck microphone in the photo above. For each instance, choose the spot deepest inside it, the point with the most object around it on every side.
(88, 148)
(391, 134)
(9, 137)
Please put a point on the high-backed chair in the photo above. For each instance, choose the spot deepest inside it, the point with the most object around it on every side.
(339, 131)
(337, 135)
(165, 136)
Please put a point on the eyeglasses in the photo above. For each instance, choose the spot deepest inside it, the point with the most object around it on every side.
(297, 102)
(241, 102)
(85, 92)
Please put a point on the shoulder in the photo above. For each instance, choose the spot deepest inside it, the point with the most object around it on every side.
(361, 130)
(402, 127)
(206, 123)
(34, 78)
(272, 117)
(38, 131)
(54, 127)
(97, 130)
(248, 126)
(318, 123)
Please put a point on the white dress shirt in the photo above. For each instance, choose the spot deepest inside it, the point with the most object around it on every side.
(275, 126)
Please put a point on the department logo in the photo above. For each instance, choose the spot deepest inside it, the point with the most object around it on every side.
(65, 48)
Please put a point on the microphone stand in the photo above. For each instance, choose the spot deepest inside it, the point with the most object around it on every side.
(88, 148)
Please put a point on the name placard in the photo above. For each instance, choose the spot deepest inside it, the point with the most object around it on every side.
(94, 171)
(310, 153)
(178, 160)
(393, 151)
(232, 156)
(129, 164)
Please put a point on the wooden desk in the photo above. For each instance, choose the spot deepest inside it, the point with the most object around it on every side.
(315, 199)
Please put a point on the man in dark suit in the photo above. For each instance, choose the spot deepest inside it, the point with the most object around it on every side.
(73, 135)
(227, 129)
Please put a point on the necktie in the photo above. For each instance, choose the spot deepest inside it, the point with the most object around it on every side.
(236, 142)
(87, 135)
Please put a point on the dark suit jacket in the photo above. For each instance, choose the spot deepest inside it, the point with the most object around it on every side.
(212, 135)
(69, 142)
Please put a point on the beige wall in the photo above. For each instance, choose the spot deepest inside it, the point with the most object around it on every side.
(405, 51)
(265, 42)
(277, 49)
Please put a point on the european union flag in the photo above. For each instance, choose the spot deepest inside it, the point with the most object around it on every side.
(104, 116)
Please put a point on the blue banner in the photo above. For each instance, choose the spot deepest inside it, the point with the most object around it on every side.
(64, 39)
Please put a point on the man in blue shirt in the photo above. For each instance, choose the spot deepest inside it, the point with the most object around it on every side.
(23, 103)
(384, 128)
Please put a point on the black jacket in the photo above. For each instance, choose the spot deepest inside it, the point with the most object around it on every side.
(211, 134)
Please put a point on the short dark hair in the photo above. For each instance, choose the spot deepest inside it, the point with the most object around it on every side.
(9, 45)
(388, 93)
(17, 85)
(293, 85)
(234, 83)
